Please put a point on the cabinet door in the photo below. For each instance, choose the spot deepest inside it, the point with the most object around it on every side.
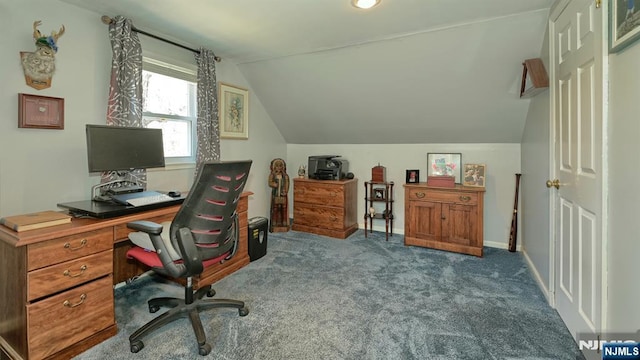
(459, 224)
(425, 219)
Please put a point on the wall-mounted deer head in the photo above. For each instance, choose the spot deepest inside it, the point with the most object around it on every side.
(39, 65)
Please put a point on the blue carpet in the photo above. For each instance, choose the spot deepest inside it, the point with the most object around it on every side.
(313, 297)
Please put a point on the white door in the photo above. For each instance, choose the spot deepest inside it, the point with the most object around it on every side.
(577, 205)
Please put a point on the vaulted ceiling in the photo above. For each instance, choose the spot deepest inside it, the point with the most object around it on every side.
(406, 71)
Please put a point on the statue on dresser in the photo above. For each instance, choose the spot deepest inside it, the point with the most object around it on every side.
(279, 183)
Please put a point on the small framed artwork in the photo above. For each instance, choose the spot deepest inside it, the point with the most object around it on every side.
(625, 24)
(474, 175)
(234, 112)
(378, 194)
(445, 164)
(40, 112)
(413, 176)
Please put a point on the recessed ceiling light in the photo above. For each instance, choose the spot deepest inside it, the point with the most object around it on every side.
(365, 4)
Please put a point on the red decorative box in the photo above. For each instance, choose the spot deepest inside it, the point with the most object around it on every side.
(378, 174)
(441, 181)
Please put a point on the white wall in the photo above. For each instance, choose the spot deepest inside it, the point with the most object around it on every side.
(502, 160)
(535, 196)
(40, 168)
(624, 195)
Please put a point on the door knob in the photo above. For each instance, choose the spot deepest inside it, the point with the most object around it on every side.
(555, 183)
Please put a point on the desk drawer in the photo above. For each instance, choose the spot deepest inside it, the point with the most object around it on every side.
(456, 197)
(67, 318)
(69, 247)
(53, 279)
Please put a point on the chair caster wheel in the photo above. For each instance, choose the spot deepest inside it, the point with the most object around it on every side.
(211, 293)
(243, 311)
(204, 349)
(153, 309)
(136, 346)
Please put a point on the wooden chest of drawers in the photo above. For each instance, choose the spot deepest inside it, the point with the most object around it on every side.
(61, 292)
(325, 207)
(444, 218)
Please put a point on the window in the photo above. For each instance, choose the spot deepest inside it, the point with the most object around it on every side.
(170, 103)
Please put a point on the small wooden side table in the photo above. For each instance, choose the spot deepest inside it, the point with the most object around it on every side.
(378, 194)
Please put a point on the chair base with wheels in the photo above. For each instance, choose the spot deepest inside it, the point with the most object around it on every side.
(190, 306)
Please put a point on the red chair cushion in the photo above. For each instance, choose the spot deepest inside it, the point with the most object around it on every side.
(151, 259)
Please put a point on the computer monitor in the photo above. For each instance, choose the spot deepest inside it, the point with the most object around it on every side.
(114, 148)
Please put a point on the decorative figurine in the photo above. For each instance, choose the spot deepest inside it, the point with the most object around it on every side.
(279, 183)
(39, 65)
(302, 170)
(372, 212)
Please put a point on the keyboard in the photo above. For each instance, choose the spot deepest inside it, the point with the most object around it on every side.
(141, 198)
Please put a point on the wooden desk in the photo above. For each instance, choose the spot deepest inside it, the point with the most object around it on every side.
(56, 290)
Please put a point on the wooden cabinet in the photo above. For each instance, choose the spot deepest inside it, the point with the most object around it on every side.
(325, 207)
(444, 218)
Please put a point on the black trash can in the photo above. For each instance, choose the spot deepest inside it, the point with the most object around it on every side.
(258, 230)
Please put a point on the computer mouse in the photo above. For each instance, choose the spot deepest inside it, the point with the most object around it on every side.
(174, 193)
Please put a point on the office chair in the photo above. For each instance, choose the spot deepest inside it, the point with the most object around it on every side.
(203, 233)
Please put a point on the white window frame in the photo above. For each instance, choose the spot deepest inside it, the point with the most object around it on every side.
(179, 72)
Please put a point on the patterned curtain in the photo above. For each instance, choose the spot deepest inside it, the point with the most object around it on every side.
(125, 90)
(208, 135)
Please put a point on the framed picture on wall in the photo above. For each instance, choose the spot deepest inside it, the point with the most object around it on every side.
(40, 112)
(625, 24)
(474, 175)
(233, 112)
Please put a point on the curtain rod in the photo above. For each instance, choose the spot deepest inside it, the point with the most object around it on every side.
(107, 20)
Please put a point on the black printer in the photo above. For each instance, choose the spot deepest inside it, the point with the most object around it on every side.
(327, 167)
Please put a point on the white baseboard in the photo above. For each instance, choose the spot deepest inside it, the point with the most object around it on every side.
(538, 279)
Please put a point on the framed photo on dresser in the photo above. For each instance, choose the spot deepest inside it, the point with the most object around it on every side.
(449, 164)
(474, 175)
(413, 176)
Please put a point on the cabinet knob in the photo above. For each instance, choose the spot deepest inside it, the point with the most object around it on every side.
(420, 195)
(465, 198)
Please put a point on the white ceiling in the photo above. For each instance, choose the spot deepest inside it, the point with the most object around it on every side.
(407, 71)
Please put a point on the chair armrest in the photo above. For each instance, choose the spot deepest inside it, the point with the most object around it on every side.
(155, 230)
(146, 226)
(189, 251)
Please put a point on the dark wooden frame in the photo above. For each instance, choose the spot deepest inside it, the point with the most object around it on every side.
(379, 194)
(40, 112)
(414, 179)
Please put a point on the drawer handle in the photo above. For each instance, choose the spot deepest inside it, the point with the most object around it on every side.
(82, 244)
(419, 195)
(68, 303)
(67, 272)
(333, 218)
(333, 194)
(465, 198)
